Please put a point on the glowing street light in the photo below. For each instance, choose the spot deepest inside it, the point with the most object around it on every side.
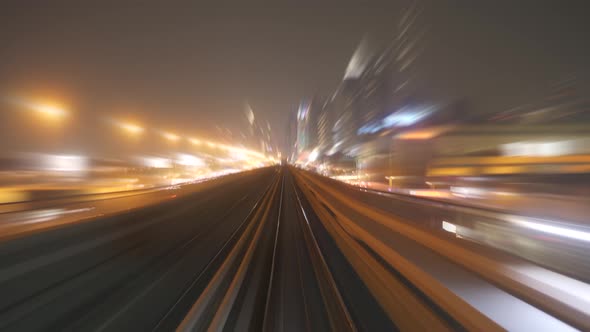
(171, 137)
(195, 141)
(131, 128)
(50, 111)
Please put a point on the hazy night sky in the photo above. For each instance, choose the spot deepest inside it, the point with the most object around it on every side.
(188, 66)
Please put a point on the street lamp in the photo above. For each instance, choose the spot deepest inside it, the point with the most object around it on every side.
(170, 137)
(50, 111)
(195, 141)
(131, 128)
(45, 110)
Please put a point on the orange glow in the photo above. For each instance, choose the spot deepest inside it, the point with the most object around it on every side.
(171, 137)
(131, 128)
(420, 134)
(430, 193)
(51, 111)
(417, 135)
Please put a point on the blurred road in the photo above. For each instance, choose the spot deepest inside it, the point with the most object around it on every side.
(275, 249)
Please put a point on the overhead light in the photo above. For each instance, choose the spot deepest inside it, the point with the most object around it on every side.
(171, 137)
(131, 128)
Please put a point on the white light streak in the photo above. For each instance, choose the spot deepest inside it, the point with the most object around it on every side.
(451, 228)
(551, 229)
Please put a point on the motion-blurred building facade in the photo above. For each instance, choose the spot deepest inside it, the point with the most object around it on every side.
(392, 121)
